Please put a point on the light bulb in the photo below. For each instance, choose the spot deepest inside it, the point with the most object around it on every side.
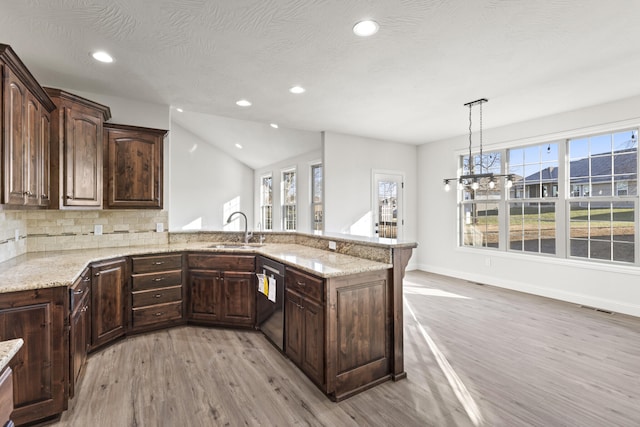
(509, 183)
(492, 184)
(447, 187)
(475, 185)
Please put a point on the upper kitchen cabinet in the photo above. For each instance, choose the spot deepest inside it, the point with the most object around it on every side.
(133, 166)
(25, 110)
(76, 151)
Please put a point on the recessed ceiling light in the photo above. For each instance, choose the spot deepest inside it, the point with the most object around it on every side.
(102, 56)
(274, 125)
(297, 89)
(365, 28)
(239, 146)
(243, 103)
(179, 110)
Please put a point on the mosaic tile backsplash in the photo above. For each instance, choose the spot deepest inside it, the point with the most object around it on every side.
(47, 230)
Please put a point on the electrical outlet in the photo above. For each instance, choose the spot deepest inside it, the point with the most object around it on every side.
(97, 229)
(17, 234)
(159, 227)
(332, 245)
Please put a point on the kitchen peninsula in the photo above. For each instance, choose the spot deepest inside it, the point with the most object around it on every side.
(352, 338)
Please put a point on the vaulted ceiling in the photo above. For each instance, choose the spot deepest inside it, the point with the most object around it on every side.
(407, 83)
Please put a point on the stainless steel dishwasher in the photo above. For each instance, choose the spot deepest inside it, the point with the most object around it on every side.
(270, 315)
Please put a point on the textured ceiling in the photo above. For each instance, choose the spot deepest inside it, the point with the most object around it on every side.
(407, 83)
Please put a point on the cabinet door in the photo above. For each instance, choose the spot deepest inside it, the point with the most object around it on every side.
(313, 350)
(82, 158)
(79, 343)
(107, 302)
(32, 151)
(238, 299)
(38, 317)
(43, 167)
(133, 168)
(15, 148)
(294, 327)
(206, 292)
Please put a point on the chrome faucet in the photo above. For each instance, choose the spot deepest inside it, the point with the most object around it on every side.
(247, 233)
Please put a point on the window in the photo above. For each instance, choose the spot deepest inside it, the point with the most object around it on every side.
(479, 208)
(289, 214)
(603, 171)
(532, 223)
(576, 198)
(266, 202)
(317, 214)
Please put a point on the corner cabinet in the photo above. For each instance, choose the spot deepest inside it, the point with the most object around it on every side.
(222, 289)
(76, 151)
(133, 166)
(25, 112)
(39, 317)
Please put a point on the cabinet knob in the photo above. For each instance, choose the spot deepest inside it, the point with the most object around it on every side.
(86, 279)
(97, 274)
(301, 284)
(78, 292)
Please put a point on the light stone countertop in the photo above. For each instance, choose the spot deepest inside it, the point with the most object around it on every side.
(38, 270)
(8, 349)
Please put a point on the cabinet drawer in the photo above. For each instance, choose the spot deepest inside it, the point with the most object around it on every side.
(141, 282)
(157, 313)
(156, 263)
(79, 290)
(157, 296)
(305, 284)
(222, 262)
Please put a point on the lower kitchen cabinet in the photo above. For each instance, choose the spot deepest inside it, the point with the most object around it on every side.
(222, 289)
(156, 291)
(304, 324)
(107, 301)
(40, 366)
(79, 328)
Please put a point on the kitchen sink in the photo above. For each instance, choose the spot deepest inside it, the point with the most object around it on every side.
(234, 246)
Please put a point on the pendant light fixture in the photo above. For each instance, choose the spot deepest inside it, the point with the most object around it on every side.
(473, 179)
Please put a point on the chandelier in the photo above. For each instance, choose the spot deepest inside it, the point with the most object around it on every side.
(473, 179)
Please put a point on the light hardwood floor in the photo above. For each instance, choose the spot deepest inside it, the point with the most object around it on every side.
(525, 361)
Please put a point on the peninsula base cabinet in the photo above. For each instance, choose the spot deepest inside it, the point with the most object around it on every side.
(338, 330)
(39, 317)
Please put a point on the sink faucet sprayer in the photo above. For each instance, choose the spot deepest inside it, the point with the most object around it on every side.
(247, 233)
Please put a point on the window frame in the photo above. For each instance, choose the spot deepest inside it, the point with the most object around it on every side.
(287, 208)
(267, 224)
(314, 203)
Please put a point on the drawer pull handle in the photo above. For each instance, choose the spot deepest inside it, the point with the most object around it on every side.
(159, 314)
(158, 279)
(157, 295)
(158, 263)
(301, 284)
(78, 292)
(85, 308)
(86, 279)
(97, 274)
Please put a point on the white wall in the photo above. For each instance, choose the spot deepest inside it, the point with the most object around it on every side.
(611, 287)
(302, 164)
(206, 185)
(349, 162)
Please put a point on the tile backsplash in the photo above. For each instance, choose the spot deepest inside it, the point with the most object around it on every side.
(52, 230)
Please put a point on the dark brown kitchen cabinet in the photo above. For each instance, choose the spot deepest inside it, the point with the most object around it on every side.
(108, 285)
(304, 323)
(40, 366)
(25, 115)
(222, 289)
(6, 397)
(133, 166)
(79, 328)
(156, 292)
(76, 150)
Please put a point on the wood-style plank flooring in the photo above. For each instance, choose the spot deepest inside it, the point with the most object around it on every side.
(524, 361)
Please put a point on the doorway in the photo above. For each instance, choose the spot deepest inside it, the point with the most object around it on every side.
(387, 204)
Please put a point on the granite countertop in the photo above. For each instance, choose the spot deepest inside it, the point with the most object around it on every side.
(8, 349)
(40, 270)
